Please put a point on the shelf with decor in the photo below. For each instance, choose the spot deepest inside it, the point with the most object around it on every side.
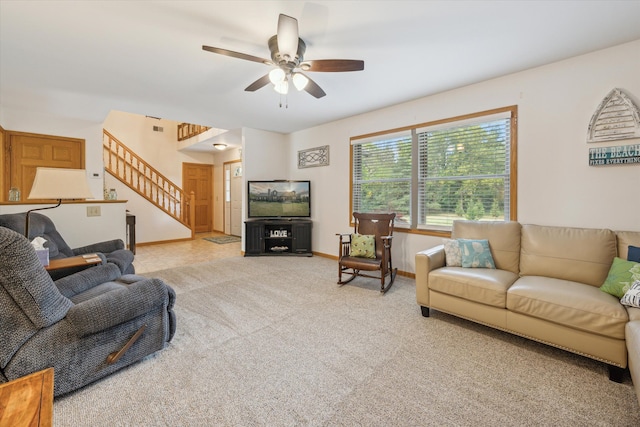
(280, 236)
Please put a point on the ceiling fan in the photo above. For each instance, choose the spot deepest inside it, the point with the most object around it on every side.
(287, 55)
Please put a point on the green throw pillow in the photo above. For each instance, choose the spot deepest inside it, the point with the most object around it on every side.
(363, 245)
(621, 276)
(476, 253)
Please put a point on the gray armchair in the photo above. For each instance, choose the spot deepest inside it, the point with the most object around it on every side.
(86, 325)
(112, 251)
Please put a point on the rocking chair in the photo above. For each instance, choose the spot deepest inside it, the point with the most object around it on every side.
(368, 249)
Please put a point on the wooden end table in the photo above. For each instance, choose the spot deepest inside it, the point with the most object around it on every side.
(73, 261)
(27, 401)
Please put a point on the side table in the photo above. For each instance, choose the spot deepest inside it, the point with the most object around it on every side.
(27, 401)
(73, 261)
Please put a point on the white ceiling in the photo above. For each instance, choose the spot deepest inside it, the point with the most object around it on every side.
(82, 59)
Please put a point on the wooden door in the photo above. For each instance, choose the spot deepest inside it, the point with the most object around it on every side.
(198, 178)
(24, 152)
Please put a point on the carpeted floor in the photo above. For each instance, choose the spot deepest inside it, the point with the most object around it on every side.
(221, 240)
(273, 341)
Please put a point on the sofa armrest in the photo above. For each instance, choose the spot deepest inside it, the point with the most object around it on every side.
(123, 258)
(426, 261)
(76, 283)
(117, 306)
(104, 247)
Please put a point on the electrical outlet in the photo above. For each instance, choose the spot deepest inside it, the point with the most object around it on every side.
(93, 211)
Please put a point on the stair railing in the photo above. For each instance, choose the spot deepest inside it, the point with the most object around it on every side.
(188, 130)
(130, 169)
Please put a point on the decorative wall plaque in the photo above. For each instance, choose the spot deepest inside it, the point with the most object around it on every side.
(622, 155)
(615, 118)
(312, 157)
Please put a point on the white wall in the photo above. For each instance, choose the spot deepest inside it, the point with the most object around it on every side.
(75, 227)
(60, 125)
(160, 150)
(555, 184)
(232, 153)
(71, 220)
(265, 156)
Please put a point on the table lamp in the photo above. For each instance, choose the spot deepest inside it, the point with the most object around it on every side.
(58, 183)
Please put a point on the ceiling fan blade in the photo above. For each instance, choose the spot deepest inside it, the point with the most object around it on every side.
(258, 84)
(288, 36)
(313, 88)
(233, 54)
(333, 65)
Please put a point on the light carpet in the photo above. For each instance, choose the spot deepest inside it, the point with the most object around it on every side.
(274, 341)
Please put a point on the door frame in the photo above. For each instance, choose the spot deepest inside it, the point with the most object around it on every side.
(224, 192)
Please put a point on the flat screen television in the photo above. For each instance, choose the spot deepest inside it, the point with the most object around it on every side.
(279, 199)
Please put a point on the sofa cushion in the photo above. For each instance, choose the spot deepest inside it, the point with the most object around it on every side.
(568, 303)
(576, 254)
(633, 349)
(626, 239)
(483, 285)
(634, 314)
(503, 237)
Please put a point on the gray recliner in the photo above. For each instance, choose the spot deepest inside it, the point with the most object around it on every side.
(86, 325)
(112, 251)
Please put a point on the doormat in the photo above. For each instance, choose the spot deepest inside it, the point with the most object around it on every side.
(221, 240)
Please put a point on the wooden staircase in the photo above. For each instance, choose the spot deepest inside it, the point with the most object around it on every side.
(144, 179)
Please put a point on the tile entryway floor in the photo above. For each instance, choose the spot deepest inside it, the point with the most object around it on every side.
(170, 255)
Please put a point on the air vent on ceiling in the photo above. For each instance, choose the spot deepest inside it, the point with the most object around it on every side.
(158, 129)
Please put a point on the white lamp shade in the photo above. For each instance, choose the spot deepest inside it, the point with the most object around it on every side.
(276, 75)
(282, 87)
(59, 183)
(300, 81)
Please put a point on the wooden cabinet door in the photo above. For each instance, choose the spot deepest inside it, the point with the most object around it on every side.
(302, 237)
(28, 151)
(253, 238)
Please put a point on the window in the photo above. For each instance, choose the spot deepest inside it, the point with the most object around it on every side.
(382, 176)
(434, 173)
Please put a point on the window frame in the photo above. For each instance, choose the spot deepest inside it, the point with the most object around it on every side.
(414, 227)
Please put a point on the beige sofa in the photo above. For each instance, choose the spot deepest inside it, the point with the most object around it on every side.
(545, 287)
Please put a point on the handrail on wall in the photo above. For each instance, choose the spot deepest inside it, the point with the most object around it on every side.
(130, 169)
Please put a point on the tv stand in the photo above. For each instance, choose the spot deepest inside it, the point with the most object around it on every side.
(278, 236)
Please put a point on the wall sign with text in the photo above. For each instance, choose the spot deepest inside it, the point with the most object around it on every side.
(621, 155)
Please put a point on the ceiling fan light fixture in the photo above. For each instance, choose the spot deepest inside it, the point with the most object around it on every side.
(277, 75)
(220, 146)
(282, 87)
(300, 81)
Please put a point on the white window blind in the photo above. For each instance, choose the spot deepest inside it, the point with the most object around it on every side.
(382, 175)
(464, 173)
(433, 174)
